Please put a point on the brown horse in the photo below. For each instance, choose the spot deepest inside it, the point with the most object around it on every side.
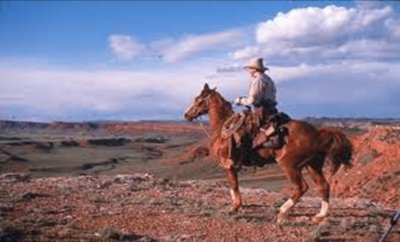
(305, 147)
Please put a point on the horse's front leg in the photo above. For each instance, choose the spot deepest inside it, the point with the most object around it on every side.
(234, 185)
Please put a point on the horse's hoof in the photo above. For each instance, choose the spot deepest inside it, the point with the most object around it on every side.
(281, 218)
(318, 219)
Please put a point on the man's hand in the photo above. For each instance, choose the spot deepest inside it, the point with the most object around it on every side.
(238, 101)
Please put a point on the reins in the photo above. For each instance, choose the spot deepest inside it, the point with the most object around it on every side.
(200, 119)
(230, 127)
(203, 127)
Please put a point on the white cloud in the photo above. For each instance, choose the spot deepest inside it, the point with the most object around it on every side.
(174, 51)
(125, 47)
(170, 50)
(56, 93)
(293, 73)
(319, 26)
(328, 34)
(346, 89)
(365, 88)
(394, 28)
(247, 52)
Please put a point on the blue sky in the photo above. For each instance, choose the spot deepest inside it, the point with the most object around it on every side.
(134, 60)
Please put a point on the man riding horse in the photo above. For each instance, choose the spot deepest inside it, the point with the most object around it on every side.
(262, 95)
(305, 147)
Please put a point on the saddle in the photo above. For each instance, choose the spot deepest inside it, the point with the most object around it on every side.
(274, 130)
(249, 130)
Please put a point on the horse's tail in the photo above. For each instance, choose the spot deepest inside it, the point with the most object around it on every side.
(337, 147)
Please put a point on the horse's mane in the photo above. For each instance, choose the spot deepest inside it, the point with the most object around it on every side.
(226, 107)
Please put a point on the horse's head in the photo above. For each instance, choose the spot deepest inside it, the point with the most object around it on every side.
(200, 104)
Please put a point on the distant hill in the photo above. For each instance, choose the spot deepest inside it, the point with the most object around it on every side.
(349, 123)
(11, 125)
(8, 126)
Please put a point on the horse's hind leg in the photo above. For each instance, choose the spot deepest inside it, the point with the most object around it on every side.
(295, 177)
(323, 188)
(234, 185)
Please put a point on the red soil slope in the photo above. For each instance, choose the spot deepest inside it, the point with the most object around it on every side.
(376, 171)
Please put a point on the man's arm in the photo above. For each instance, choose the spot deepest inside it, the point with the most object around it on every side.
(254, 93)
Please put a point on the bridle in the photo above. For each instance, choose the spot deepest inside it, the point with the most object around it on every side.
(203, 127)
(206, 99)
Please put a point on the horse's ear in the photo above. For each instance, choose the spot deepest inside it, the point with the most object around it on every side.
(206, 87)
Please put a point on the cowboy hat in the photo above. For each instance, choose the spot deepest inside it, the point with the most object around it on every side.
(256, 64)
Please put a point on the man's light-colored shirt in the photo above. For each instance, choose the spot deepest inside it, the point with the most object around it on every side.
(262, 88)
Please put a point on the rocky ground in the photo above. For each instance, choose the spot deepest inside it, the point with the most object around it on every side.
(376, 167)
(62, 182)
(141, 207)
